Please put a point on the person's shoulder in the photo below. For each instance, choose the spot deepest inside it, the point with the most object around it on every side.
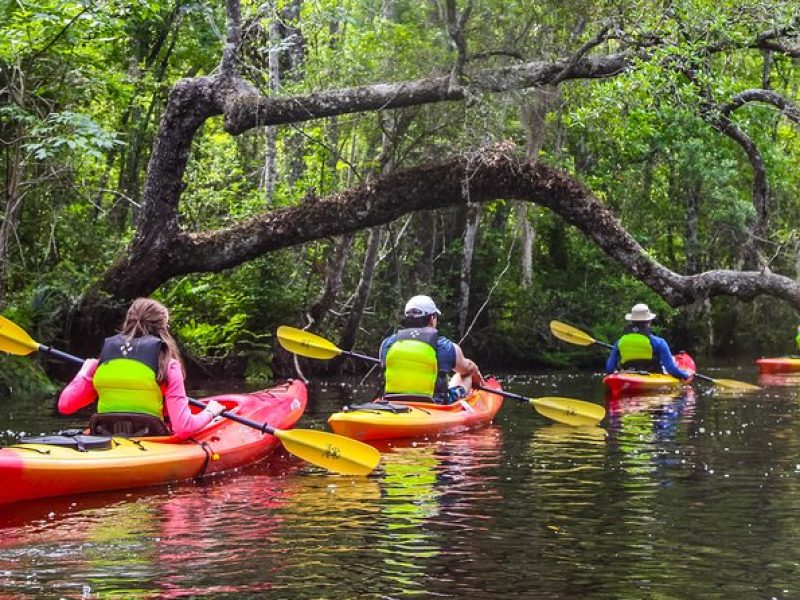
(659, 341)
(174, 366)
(444, 341)
(387, 341)
(444, 344)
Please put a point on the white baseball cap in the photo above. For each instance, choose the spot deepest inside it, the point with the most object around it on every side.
(421, 306)
(640, 312)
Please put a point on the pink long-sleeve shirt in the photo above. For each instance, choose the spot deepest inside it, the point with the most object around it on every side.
(81, 392)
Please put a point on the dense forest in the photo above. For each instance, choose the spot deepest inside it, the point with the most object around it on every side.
(317, 163)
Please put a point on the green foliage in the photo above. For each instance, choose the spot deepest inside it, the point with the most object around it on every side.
(23, 376)
(233, 316)
(85, 83)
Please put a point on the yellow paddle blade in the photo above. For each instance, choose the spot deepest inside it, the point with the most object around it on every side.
(14, 339)
(568, 410)
(571, 334)
(333, 452)
(732, 384)
(305, 343)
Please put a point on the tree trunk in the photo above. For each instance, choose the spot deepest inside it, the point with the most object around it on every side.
(350, 331)
(13, 202)
(271, 132)
(691, 234)
(527, 234)
(136, 124)
(333, 282)
(533, 115)
(470, 236)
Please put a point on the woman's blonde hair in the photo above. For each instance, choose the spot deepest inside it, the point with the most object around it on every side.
(149, 317)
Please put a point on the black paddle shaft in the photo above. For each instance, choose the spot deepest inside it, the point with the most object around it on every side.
(59, 354)
(263, 427)
(503, 393)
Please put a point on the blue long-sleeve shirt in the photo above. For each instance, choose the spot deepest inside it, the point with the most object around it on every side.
(660, 350)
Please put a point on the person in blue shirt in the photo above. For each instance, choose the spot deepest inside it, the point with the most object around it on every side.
(417, 360)
(638, 349)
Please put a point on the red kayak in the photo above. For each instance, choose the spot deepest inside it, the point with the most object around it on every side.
(632, 383)
(59, 465)
(783, 364)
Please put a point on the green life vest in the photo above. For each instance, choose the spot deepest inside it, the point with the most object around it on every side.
(636, 351)
(125, 379)
(411, 364)
(797, 338)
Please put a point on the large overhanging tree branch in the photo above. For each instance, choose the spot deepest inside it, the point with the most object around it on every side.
(160, 248)
(193, 101)
(491, 175)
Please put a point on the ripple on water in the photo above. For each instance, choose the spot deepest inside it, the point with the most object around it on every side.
(673, 497)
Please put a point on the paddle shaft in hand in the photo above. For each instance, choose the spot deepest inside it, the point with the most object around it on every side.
(573, 335)
(577, 413)
(564, 410)
(334, 452)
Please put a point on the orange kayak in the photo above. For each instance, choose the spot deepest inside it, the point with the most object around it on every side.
(382, 420)
(89, 463)
(783, 364)
(631, 383)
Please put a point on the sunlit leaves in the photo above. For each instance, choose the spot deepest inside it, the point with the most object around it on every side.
(71, 132)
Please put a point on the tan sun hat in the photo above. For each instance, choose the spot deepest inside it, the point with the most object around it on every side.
(640, 312)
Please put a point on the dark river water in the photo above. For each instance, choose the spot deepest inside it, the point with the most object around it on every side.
(695, 496)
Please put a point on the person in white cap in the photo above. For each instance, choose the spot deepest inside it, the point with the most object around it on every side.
(417, 360)
(638, 349)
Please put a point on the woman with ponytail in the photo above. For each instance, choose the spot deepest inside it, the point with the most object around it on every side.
(139, 372)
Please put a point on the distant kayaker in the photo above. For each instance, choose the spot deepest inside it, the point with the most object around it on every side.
(138, 380)
(639, 349)
(797, 338)
(417, 360)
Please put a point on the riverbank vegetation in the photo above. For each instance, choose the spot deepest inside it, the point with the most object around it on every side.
(316, 163)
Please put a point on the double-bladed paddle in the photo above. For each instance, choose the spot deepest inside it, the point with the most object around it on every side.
(573, 335)
(564, 410)
(336, 453)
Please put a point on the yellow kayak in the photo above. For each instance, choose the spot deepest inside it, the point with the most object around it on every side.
(382, 420)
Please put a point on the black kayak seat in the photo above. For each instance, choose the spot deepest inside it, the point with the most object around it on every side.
(379, 406)
(82, 443)
(121, 424)
(406, 398)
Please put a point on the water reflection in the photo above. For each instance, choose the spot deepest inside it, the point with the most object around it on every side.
(434, 494)
(692, 496)
(780, 380)
(644, 430)
(139, 544)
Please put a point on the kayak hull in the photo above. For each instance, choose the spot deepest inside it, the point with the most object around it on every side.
(423, 419)
(630, 383)
(784, 364)
(31, 471)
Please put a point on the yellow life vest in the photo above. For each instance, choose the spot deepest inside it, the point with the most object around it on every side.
(636, 352)
(411, 363)
(125, 379)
